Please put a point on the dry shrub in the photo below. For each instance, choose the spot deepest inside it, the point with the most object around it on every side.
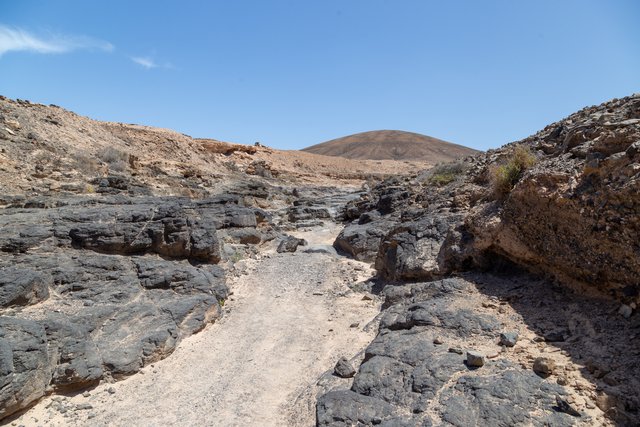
(446, 173)
(506, 175)
(112, 156)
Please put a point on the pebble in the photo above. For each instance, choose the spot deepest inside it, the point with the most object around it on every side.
(544, 366)
(354, 325)
(344, 368)
(475, 358)
(455, 350)
(564, 406)
(508, 339)
(625, 311)
(83, 406)
(86, 394)
(438, 341)
(112, 390)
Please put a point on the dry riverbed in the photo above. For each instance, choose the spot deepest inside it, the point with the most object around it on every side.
(290, 318)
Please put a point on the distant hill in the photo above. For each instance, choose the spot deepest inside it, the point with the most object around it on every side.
(391, 145)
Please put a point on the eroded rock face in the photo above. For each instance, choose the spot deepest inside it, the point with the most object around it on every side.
(100, 287)
(575, 213)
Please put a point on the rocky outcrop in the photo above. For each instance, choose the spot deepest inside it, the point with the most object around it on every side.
(571, 215)
(94, 288)
(574, 215)
(414, 372)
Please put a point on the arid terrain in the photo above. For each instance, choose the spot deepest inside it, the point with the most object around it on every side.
(391, 145)
(151, 278)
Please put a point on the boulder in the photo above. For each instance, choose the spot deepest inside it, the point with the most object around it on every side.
(344, 368)
(290, 244)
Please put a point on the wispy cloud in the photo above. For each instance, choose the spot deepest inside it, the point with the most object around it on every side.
(144, 61)
(18, 40)
(148, 62)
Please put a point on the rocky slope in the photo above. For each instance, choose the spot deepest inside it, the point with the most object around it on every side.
(561, 204)
(391, 145)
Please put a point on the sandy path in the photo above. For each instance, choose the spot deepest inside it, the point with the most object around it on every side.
(287, 322)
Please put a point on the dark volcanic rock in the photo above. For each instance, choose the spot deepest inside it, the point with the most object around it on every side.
(410, 252)
(20, 286)
(405, 378)
(344, 368)
(362, 241)
(290, 244)
(102, 302)
(25, 370)
(346, 408)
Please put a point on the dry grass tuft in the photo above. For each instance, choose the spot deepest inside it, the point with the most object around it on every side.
(506, 175)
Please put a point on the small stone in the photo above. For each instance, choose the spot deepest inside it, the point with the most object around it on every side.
(508, 339)
(564, 406)
(367, 298)
(554, 336)
(354, 325)
(625, 311)
(438, 341)
(111, 390)
(589, 404)
(475, 358)
(13, 124)
(83, 406)
(344, 369)
(455, 350)
(562, 380)
(544, 366)
(86, 394)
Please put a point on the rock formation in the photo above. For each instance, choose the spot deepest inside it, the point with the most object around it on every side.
(562, 205)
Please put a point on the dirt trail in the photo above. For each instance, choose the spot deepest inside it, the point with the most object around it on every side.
(289, 319)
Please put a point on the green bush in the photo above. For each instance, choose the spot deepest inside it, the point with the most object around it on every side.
(506, 175)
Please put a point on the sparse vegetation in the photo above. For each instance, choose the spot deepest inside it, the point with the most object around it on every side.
(506, 175)
(86, 165)
(445, 173)
(116, 159)
(236, 256)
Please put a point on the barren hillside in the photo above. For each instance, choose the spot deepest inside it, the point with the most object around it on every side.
(47, 149)
(391, 145)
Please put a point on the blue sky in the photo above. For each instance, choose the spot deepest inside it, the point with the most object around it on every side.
(294, 73)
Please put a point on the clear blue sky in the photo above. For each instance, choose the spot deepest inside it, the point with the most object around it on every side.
(295, 73)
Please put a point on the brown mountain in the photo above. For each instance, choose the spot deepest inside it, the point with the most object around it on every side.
(391, 145)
